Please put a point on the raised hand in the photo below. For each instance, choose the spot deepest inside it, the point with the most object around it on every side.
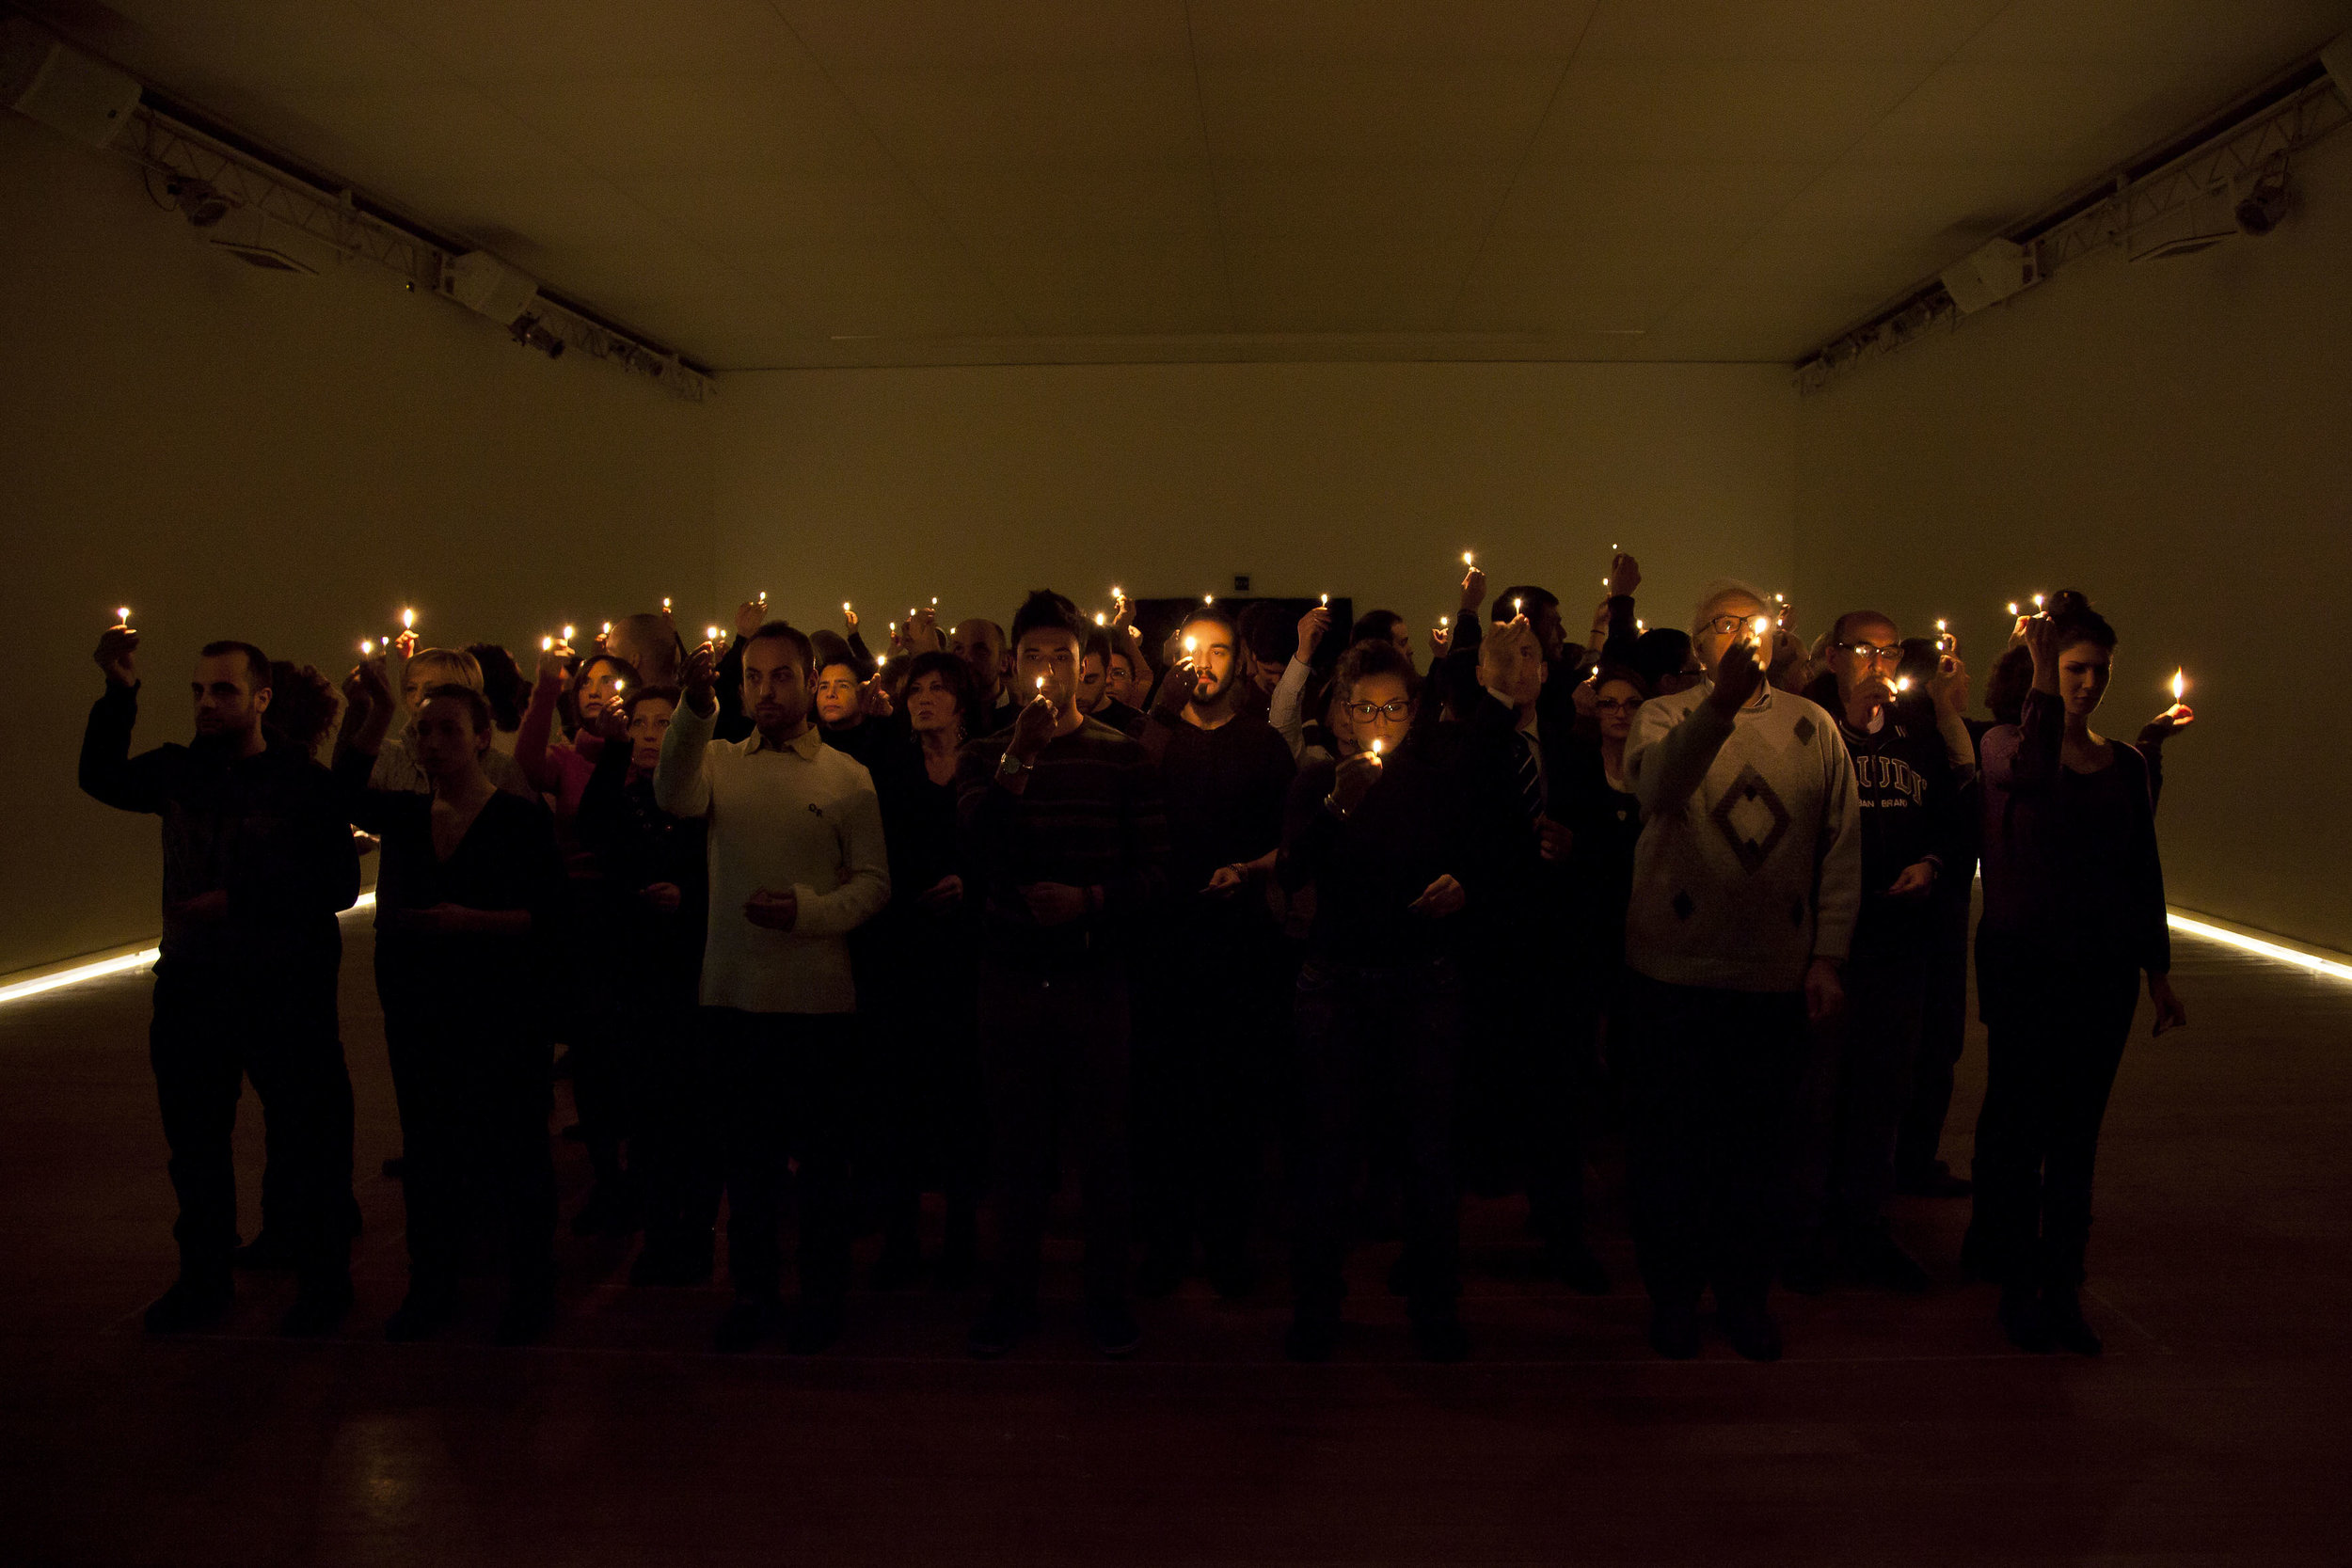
(1176, 688)
(1473, 590)
(555, 664)
(1948, 686)
(1311, 627)
(1737, 677)
(2174, 719)
(1624, 576)
(751, 615)
(1033, 727)
(117, 654)
(1354, 779)
(700, 680)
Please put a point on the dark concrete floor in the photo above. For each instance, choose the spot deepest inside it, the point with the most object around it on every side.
(1895, 1431)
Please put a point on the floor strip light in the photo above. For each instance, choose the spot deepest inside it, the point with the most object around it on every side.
(120, 963)
(2333, 969)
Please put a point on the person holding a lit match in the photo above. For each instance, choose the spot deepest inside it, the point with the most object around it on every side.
(796, 863)
(257, 861)
(1914, 764)
(2073, 917)
(1063, 836)
(1203, 1076)
(1387, 840)
(1747, 882)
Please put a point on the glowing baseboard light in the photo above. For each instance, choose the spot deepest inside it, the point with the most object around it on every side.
(119, 964)
(2313, 962)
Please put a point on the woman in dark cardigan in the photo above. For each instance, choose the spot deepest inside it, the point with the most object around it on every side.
(2074, 916)
(466, 900)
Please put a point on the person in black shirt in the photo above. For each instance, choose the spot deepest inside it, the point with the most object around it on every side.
(2074, 916)
(1912, 763)
(1202, 1078)
(840, 711)
(1064, 843)
(1529, 1078)
(1383, 836)
(466, 899)
(919, 980)
(257, 861)
(1097, 672)
(650, 864)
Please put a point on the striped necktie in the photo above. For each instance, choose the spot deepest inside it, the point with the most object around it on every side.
(1530, 777)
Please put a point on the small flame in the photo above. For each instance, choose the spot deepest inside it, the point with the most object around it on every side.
(1208, 598)
(1445, 620)
(2013, 606)
(1191, 643)
(1763, 624)
(1466, 559)
(880, 659)
(367, 647)
(1940, 625)
(711, 633)
(608, 629)
(2037, 601)
(407, 620)
(567, 634)
(547, 644)
(665, 604)
(124, 615)
(1904, 683)
(1100, 619)
(1376, 746)
(1519, 606)
(1116, 592)
(845, 607)
(2180, 684)
(1041, 684)
(619, 687)
(1326, 604)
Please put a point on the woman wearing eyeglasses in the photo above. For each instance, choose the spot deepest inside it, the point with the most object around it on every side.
(1378, 1007)
(2074, 916)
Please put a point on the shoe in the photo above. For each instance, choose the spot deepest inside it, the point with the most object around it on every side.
(1674, 1332)
(423, 1313)
(1805, 1267)
(1873, 1257)
(1937, 1181)
(1573, 1264)
(195, 1301)
(265, 1251)
(1161, 1275)
(1440, 1337)
(527, 1314)
(2022, 1320)
(1112, 1327)
(812, 1326)
(745, 1323)
(899, 1268)
(1002, 1325)
(1752, 1332)
(2062, 1313)
(319, 1307)
(611, 1210)
(1313, 1337)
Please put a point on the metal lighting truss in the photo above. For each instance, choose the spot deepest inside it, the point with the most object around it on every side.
(166, 146)
(2260, 138)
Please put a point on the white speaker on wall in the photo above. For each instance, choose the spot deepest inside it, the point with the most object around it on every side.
(479, 281)
(1996, 270)
(62, 87)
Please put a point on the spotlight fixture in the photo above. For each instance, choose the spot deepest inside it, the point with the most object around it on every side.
(533, 333)
(201, 203)
(2259, 211)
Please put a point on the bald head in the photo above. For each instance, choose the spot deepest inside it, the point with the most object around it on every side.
(981, 646)
(650, 646)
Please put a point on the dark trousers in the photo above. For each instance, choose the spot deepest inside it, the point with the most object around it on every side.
(1943, 1032)
(674, 1152)
(474, 1091)
(1205, 1082)
(1710, 1076)
(2055, 1025)
(783, 1082)
(1530, 1077)
(929, 1108)
(214, 1026)
(1859, 1069)
(1055, 1050)
(1372, 1036)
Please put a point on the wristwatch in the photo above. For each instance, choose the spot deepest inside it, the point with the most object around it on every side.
(1012, 767)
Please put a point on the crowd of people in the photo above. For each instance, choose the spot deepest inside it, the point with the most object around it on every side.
(1269, 935)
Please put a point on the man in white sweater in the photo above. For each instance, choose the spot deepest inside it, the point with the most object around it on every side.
(796, 863)
(1746, 885)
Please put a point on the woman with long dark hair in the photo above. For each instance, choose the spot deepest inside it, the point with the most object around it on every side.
(2074, 916)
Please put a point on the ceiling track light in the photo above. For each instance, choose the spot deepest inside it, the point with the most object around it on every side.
(530, 332)
(199, 201)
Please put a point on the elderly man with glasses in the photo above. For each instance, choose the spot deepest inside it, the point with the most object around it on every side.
(1914, 768)
(1746, 882)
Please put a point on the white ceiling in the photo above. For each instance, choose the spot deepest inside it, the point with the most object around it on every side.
(768, 183)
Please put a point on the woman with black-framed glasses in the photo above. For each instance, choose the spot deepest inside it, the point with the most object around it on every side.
(1378, 1006)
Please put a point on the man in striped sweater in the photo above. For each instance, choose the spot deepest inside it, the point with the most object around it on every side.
(1064, 841)
(1746, 885)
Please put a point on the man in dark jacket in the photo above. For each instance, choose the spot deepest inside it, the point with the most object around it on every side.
(1914, 770)
(258, 859)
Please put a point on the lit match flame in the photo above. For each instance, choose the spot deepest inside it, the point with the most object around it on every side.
(407, 620)
(710, 634)
(1376, 746)
(367, 648)
(567, 634)
(2180, 684)
(1466, 559)
(1190, 643)
(547, 644)
(1100, 619)
(124, 615)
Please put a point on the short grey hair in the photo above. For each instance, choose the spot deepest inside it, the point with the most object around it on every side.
(1717, 591)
